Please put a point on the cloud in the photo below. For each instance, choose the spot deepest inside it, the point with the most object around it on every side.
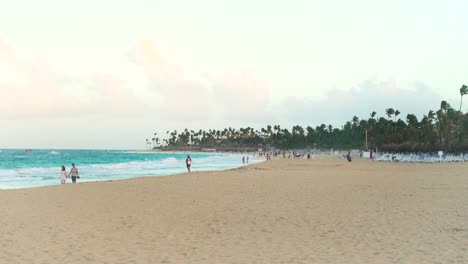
(159, 94)
(7, 52)
(37, 88)
(113, 96)
(173, 93)
(340, 106)
(241, 94)
(233, 94)
(180, 96)
(27, 88)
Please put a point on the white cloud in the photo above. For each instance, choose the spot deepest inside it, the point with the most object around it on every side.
(340, 106)
(159, 94)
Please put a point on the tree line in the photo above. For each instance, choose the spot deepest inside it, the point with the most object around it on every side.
(442, 129)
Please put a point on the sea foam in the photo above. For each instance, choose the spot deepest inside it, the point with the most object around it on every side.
(41, 168)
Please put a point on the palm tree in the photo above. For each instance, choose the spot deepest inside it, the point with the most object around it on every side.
(397, 112)
(444, 121)
(435, 130)
(444, 106)
(268, 129)
(310, 135)
(412, 122)
(355, 121)
(389, 112)
(154, 139)
(372, 120)
(463, 91)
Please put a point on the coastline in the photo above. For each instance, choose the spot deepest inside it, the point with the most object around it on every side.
(40, 168)
(133, 178)
(297, 211)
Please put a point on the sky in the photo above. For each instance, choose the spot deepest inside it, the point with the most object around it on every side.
(109, 74)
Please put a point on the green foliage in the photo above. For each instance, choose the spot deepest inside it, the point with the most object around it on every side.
(445, 129)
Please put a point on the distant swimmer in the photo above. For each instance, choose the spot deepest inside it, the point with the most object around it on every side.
(188, 162)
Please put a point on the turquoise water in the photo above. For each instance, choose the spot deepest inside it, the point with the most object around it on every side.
(20, 169)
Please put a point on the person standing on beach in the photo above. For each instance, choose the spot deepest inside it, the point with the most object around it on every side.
(247, 159)
(63, 175)
(243, 160)
(74, 173)
(188, 162)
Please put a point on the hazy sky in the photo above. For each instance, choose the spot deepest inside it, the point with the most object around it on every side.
(108, 74)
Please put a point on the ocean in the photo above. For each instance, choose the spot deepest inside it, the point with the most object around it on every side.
(21, 169)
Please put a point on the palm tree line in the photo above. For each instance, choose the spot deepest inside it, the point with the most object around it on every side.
(443, 129)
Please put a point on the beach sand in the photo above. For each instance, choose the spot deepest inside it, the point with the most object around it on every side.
(285, 211)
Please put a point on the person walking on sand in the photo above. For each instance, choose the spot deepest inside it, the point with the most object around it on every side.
(188, 162)
(348, 156)
(63, 175)
(74, 173)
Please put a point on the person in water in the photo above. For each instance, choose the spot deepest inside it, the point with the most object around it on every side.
(74, 173)
(63, 175)
(188, 162)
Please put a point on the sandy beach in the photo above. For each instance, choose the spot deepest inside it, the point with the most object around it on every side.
(285, 211)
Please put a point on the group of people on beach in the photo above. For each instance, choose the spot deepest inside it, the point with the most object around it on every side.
(275, 154)
(293, 154)
(73, 174)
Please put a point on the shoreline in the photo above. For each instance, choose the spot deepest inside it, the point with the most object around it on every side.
(253, 162)
(131, 179)
(283, 211)
(39, 169)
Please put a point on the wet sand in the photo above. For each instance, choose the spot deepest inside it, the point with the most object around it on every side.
(285, 211)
